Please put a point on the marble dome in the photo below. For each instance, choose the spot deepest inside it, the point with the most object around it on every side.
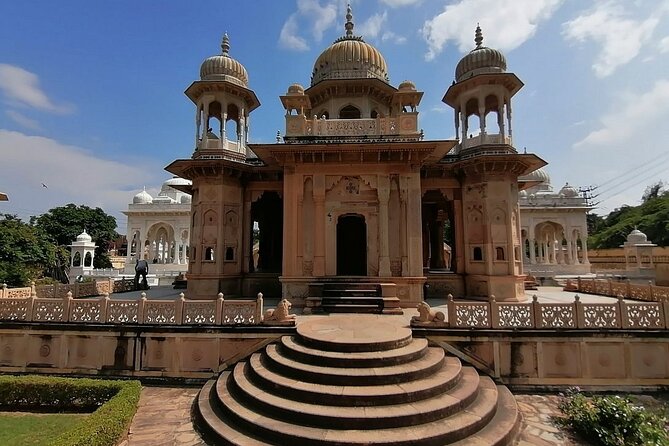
(637, 237)
(568, 191)
(84, 237)
(142, 198)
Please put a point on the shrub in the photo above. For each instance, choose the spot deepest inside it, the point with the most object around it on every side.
(612, 421)
(114, 402)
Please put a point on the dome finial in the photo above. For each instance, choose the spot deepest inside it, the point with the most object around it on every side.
(479, 36)
(225, 44)
(349, 21)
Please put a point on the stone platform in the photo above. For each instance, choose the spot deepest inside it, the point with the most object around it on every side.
(359, 380)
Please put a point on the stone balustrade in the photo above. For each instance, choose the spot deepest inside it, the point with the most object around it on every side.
(544, 315)
(404, 124)
(104, 310)
(625, 289)
(487, 138)
(60, 290)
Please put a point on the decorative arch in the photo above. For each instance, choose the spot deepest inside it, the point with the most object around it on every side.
(349, 111)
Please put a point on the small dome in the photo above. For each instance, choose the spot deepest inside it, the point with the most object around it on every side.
(637, 237)
(480, 60)
(538, 175)
(568, 191)
(349, 57)
(177, 181)
(407, 86)
(295, 90)
(522, 194)
(222, 67)
(142, 198)
(84, 237)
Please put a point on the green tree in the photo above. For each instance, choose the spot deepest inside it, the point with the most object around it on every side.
(64, 223)
(650, 217)
(25, 252)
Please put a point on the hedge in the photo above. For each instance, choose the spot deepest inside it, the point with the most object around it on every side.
(114, 404)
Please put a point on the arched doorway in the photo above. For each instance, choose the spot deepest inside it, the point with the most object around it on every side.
(351, 245)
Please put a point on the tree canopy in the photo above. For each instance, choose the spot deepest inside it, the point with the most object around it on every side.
(25, 251)
(650, 217)
(63, 224)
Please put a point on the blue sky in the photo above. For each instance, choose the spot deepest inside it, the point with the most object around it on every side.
(92, 103)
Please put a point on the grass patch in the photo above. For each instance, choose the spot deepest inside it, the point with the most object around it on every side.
(31, 429)
(112, 403)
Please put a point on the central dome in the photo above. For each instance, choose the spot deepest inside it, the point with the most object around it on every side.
(349, 57)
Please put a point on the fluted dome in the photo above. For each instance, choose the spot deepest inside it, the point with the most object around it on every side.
(175, 181)
(568, 191)
(84, 237)
(637, 237)
(407, 86)
(142, 198)
(222, 67)
(480, 60)
(295, 89)
(349, 57)
(538, 175)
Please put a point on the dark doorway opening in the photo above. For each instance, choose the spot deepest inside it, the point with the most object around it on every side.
(351, 245)
(267, 221)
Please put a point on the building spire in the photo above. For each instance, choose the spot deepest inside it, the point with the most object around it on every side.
(349, 21)
(479, 36)
(225, 44)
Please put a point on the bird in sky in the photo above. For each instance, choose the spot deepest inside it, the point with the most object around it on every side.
(44, 186)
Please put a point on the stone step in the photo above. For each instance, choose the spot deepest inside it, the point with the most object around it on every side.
(211, 421)
(502, 428)
(443, 431)
(352, 308)
(323, 415)
(360, 333)
(350, 291)
(352, 300)
(430, 363)
(292, 348)
(336, 395)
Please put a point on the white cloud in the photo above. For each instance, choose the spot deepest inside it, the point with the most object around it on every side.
(288, 37)
(506, 25)
(664, 45)
(392, 37)
(310, 16)
(371, 28)
(23, 120)
(22, 87)
(398, 3)
(620, 37)
(72, 174)
(632, 117)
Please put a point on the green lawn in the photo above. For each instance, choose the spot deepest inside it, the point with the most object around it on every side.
(34, 429)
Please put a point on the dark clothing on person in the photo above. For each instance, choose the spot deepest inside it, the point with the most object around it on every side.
(141, 269)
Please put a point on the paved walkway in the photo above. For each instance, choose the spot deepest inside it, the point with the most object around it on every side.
(164, 419)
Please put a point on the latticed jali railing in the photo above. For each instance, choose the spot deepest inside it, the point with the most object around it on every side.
(543, 315)
(60, 290)
(104, 310)
(626, 289)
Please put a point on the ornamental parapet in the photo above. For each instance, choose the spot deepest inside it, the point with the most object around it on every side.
(620, 314)
(406, 124)
(142, 311)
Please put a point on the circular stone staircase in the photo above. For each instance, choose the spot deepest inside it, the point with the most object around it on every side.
(355, 380)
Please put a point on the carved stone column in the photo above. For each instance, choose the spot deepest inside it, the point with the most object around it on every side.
(384, 250)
